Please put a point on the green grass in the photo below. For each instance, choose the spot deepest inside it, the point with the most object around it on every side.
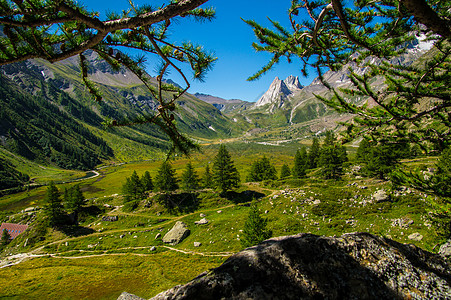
(112, 264)
(40, 174)
(101, 277)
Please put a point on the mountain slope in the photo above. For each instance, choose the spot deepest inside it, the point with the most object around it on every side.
(48, 115)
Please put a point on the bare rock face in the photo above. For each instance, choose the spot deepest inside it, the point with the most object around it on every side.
(306, 266)
(276, 93)
(177, 233)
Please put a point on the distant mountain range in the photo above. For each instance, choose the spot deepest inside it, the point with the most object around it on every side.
(49, 117)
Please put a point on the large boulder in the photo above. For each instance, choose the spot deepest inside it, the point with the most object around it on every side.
(177, 233)
(381, 196)
(306, 266)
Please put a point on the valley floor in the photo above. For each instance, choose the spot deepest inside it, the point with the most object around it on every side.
(101, 258)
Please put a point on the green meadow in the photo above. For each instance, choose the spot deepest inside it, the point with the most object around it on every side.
(100, 259)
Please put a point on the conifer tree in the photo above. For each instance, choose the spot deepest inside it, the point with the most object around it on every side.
(381, 160)
(323, 34)
(300, 163)
(313, 154)
(133, 188)
(441, 180)
(262, 169)
(165, 180)
(190, 179)
(225, 175)
(207, 180)
(254, 231)
(363, 151)
(74, 200)
(332, 157)
(53, 208)
(146, 181)
(285, 171)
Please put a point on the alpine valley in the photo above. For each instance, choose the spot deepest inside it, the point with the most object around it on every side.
(135, 232)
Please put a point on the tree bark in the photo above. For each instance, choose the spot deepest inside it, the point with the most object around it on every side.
(425, 15)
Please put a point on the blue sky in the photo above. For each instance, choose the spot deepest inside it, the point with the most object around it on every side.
(230, 39)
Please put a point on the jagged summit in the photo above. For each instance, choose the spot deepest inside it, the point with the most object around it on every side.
(293, 83)
(279, 90)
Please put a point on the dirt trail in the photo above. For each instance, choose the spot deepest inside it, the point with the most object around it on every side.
(19, 258)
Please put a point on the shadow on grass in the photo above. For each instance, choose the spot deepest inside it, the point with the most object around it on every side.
(242, 197)
(180, 203)
(76, 230)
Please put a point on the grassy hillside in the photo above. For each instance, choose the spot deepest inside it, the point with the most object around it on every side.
(100, 259)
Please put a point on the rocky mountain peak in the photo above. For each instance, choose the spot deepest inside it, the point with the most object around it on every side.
(293, 83)
(278, 91)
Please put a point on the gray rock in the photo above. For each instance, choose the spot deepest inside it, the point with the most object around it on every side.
(202, 215)
(381, 196)
(158, 236)
(153, 248)
(306, 266)
(219, 211)
(109, 218)
(415, 237)
(445, 249)
(316, 202)
(197, 244)
(201, 222)
(402, 222)
(177, 233)
(127, 296)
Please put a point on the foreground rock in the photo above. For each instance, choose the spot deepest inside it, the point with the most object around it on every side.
(306, 266)
(177, 233)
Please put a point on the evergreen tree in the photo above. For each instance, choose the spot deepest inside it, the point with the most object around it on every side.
(225, 175)
(146, 182)
(441, 180)
(300, 163)
(285, 171)
(6, 238)
(133, 188)
(254, 231)
(262, 169)
(381, 160)
(190, 180)
(363, 151)
(165, 180)
(207, 180)
(313, 154)
(53, 207)
(74, 200)
(331, 158)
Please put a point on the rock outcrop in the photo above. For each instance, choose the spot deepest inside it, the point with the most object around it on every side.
(306, 266)
(177, 233)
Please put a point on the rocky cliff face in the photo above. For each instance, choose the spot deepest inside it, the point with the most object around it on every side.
(306, 266)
